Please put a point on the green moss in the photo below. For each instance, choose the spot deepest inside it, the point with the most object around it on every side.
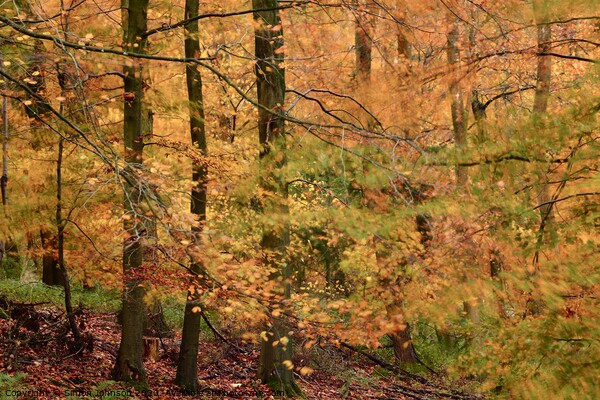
(9, 383)
(291, 390)
(11, 268)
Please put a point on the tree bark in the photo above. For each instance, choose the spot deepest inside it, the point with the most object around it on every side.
(459, 124)
(544, 64)
(404, 351)
(542, 92)
(4, 176)
(187, 366)
(62, 268)
(51, 274)
(275, 366)
(363, 44)
(459, 120)
(4, 244)
(129, 365)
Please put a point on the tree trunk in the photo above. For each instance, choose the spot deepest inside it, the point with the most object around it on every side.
(363, 44)
(51, 274)
(129, 364)
(544, 65)
(542, 95)
(60, 224)
(275, 366)
(62, 268)
(4, 176)
(187, 366)
(403, 44)
(404, 351)
(459, 124)
(459, 120)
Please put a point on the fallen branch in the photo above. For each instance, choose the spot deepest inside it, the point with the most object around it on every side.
(384, 364)
(439, 392)
(218, 334)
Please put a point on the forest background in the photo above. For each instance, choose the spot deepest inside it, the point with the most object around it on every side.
(423, 174)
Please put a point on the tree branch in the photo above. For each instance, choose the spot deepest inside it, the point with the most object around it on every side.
(566, 198)
(165, 27)
(60, 42)
(577, 58)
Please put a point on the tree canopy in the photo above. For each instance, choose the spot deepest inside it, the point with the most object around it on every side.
(419, 173)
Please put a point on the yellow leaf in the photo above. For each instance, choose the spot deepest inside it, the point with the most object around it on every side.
(263, 336)
(306, 371)
(196, 309)
(288, 364)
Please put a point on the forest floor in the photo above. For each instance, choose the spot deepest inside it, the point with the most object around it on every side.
(36, 364)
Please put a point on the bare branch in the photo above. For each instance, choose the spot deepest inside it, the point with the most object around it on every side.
(566, 198)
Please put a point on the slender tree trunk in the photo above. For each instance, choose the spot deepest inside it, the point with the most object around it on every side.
(4, 176)
(155, 325)
(544, 64)
(51, 274)
(459, 124)
(61, 252)
(276, 345)
(542, 93)
(363, 44)
(60, 223)
(404, 351)
(540, 107)
(187, 366)
(403, 44)
(129, 364)
(400, 330)
(459, 117)
(477, 107)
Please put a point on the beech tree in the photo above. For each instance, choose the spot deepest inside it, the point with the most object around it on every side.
(392, 210)
(187, 366)
(276, 366)
(540, 103)
(129, 363)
